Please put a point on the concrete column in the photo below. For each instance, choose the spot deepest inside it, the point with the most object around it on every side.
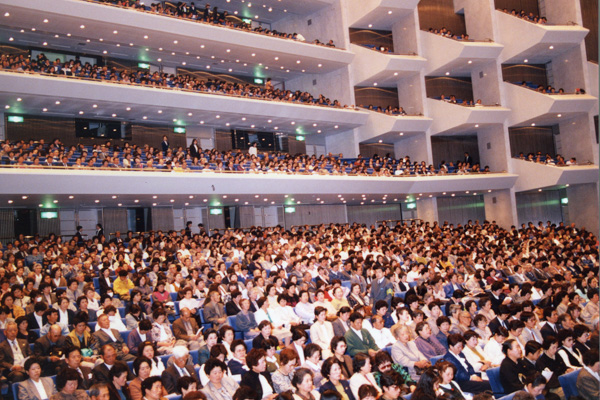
(478, 18)
(2, 127)
(417, 146)
(494, 147)
(205, 136)
(577, 139)
(427, 209)
(343, 142)
(583, 206)
(501, 206)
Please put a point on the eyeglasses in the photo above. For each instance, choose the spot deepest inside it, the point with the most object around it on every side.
(385, 366)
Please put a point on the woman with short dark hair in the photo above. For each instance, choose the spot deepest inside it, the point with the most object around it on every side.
(219, 386)
(258, 378)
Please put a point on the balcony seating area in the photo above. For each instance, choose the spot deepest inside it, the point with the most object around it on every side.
(55, 155)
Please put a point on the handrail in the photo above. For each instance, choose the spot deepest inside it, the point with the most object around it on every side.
(207, 23)
(80, 78)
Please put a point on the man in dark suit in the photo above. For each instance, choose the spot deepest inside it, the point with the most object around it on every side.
(179, 369)
(468, 159)
(35, 320)
(550, 328)
(467, 378)
(500, 320)
(50, 348)
(73, 361)
(101, 372)
(105, 335)
(13, 353)
(381, 288)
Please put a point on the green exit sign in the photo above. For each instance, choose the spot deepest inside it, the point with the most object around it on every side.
(144, 65)
(179, 129)
(258, 81)
(216, 211)
(17, 119)
(290, 210)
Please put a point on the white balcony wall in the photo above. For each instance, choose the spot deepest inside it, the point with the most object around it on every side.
(405, 34)
(522, 39)
(370, 66)
(534, 176)
(376, 12)
(569, 68)
(478, 18)
(380, 124)
(416, 146)
(527, 104)
(326, 24)
(334, 85)
(563, 12)
(485, 78)
(455, 118)
(411, 93)
(494, 147)
(581, 197)
(592, 79)
(578, 139)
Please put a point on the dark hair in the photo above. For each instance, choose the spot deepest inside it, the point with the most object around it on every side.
(185, 382)
(549, 341)
(455, 338)
(563, 335)
(507, 345)
(470, 334)
(367, 391)
(144, 325)
(381, 357)
(590, 357)
(148, 383)
(298, 334)
(344, 310)
(236, 343)
(355, 316)
(579, 330)
(223, 330)
(208, 332)
(335, 341)
(425, 385)
(359, 361)
(263, 323)
(32, 360)
(254, 356)
(441, 320)
(137, 363)
(67, 374)
(532, 347)
(390, 379)
(535, 379)
(143, 345)
(327, 364)
(331, 395)
(217, 350)
(117, 370)
(243, 393)
(300, 374)
(269, 343)
(311, 349)
(213, 363)
(287, 355)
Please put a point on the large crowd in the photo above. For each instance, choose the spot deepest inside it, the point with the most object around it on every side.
(208, 15)
(75, 68)
(40, 154)
(337, 312)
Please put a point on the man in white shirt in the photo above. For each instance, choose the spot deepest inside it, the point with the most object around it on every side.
(383, 337)
(304, 309)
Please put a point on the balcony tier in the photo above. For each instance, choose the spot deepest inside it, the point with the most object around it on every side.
(382, 14)
(537, 176)
(451, 118)
(370, 66)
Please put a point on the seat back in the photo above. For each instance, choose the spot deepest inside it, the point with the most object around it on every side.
(568, 382)
(494, 377)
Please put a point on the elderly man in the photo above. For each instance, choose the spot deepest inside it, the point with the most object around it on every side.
(186, 328)
(105, 335)
(180, 368)
(13, 353)
(101, 372)
(50, 348)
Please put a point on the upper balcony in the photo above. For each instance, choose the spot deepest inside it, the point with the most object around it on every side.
(380, 14)
(73, 97)
(535, 176)
(127, 33)
(388, 128)
(459, 57)
(529, 106)
(535, 42)
(372, 66)
(451, 118)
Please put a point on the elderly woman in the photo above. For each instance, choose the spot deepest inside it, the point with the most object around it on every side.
(362, 374)
(219, 386)
(161, 332)
(142, 367)
(258, 377)
(321, 332)
(282, 378)
(153, 389)
(66, 382)
(36, 387)
(303, 382)
(406, 353)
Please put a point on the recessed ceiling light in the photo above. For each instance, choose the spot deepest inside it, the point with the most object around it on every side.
(128, 108)
(470, 62)
(145, 36)
(320, 65)
(7, 14)
(336, 126)
(57, 102)
(82, 26)
(525, 60)
(201, 122)
(476, 125)
(95, 106)
(10, 39)
(114, 197)
(10, 202)
(7, 106)
(160, 111)
(44, 109)
(71, 197)
(80, 112)
(395, 74)
(559, 115)
(136, 201)
(24, 197)
(144, 117)
(154, 204)
(375, 84)
(96, 201)
(172, 200)
(46, 20)
(175, 41)
(390, 12)
(115, 32)
(218, 116)
(120, 204)
(447, 73)
(114, 115)
(154, 197)
(55, 201)
(551, 47)
(533, 124)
